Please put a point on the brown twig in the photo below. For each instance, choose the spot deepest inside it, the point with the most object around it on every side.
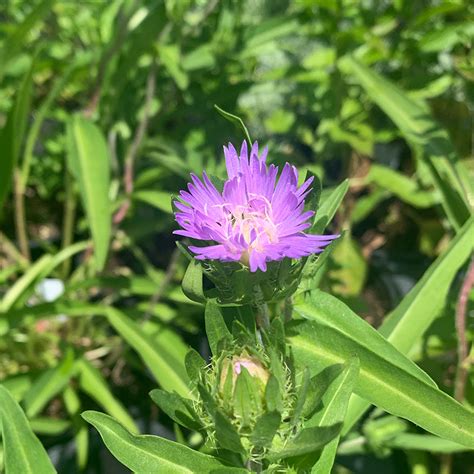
(135, 145)
(461, 310)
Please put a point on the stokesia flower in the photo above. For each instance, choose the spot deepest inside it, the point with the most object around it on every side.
(257, 218)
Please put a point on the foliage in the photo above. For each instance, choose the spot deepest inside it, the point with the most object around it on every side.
(105, 110)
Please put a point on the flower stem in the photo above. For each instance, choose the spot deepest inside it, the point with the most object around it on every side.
(261, 308)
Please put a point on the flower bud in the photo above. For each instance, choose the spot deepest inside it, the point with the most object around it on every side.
(242, 385)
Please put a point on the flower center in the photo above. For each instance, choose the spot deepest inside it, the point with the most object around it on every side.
(253, 223)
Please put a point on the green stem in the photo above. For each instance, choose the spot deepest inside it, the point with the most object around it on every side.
(20, 219)
(68, 221)
(261, 308)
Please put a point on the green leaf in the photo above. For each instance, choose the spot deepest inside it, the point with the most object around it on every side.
(158, 355)
(49, 384)
(14, 43)
(389, 382)
(301, 398)
(402, 186)
(11, 135)
(273, 394)
(265, 429)
(27, 287)
(179, 409)
(159, 199)
(235, 120)
(413, 119)
(195, 365)
(145, 453)
(350, 267)
(192, 282)
(49, 426)
(308, 441)
(88, 161)
(73, 407)
(329, 207)
(23, 283)
(170, 57)
(416, 312)
(93, 383)
(216, 328)
(22, 450)
(335, 402)
(226, 434)
(409, 441)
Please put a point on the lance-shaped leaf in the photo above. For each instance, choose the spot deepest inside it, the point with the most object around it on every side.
(88, 161)
(413, 119)
(237, 121)
(179, 409)
(49, 384)
(92, 382)
(308, 441)
(145, 453)
(23, 451)
(156, 353)
(216, 328)
(335, 402)
(328, 208)
(383, 382)
(416, 312)
(11, 135)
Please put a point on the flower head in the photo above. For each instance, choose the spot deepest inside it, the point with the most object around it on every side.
(256, 218)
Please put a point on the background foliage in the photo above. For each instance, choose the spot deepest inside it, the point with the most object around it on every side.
(105, 109)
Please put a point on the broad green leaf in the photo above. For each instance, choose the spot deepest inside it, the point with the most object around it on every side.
(416, 312)
(49, 384)
(308, 441)
(11, 135)
(412, 317)
(413, 119)
(93, 383)
(23, 451)
(383, 382)
(330, 311)
(402, 186)
(145, 454)
(409, 441)
(157, 355)
(159, 199)
(192, 282)
(235, 120)
(179, 409)
(88, 161)
(216, 328)
(335, 402)
(265, 429)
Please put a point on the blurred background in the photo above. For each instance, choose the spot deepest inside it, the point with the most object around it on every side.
(105, 109)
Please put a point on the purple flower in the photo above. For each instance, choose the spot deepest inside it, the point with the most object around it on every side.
(256, 219)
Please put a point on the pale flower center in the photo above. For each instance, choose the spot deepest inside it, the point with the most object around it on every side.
(254, 223)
